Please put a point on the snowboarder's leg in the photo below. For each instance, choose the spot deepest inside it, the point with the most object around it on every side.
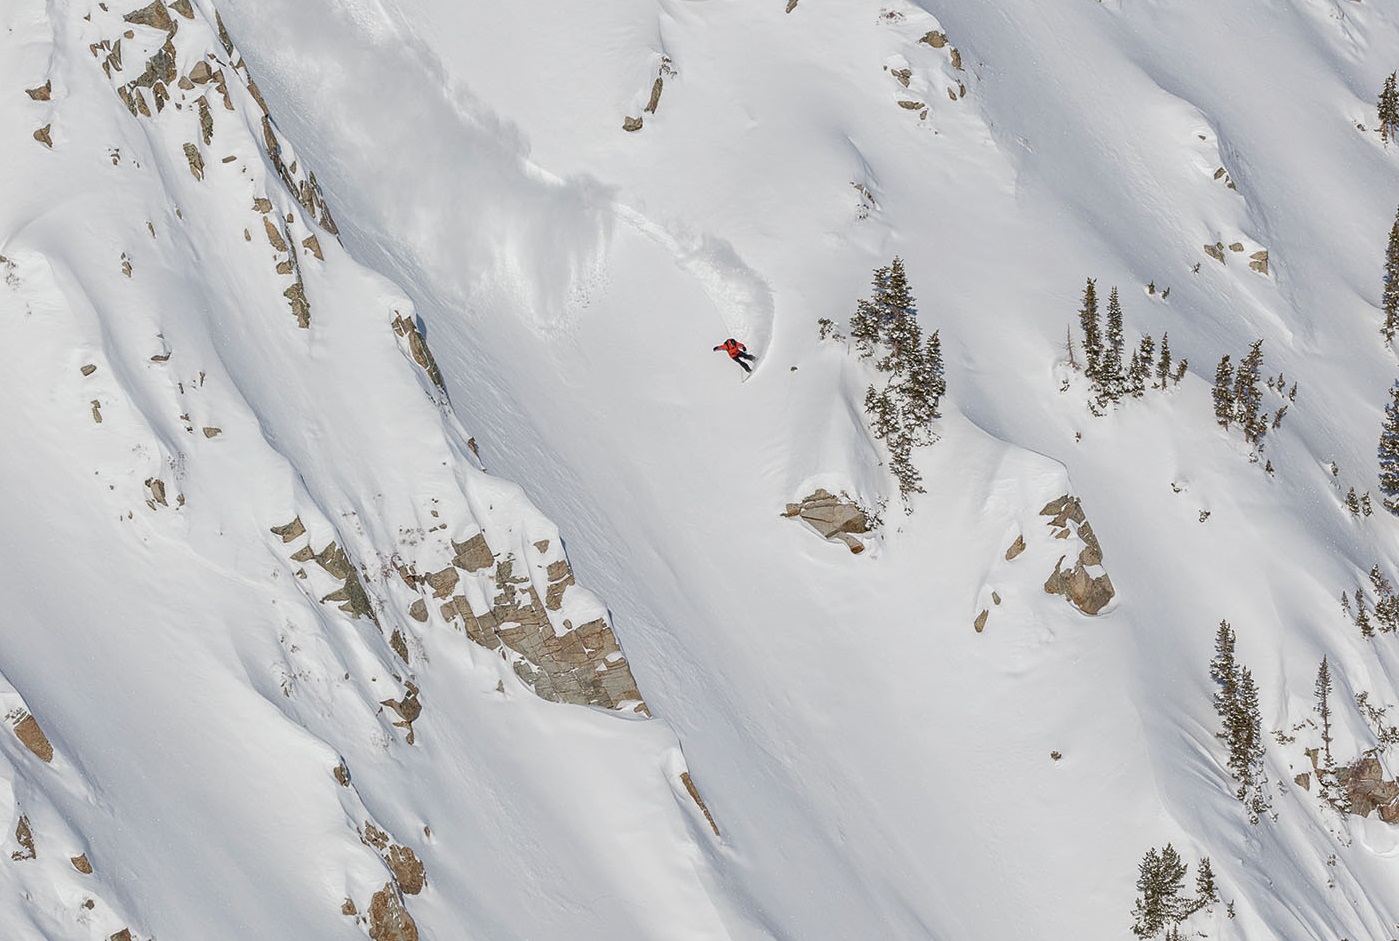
(743, 364)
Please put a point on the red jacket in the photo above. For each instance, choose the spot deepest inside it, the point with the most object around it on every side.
(732, 347)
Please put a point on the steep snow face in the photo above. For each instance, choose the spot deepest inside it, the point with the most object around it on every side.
(276, 557)
(876, 765)
(272, 636)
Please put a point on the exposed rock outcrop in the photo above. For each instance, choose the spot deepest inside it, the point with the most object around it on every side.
(417, 347)
(24, 836)
(833, 517)
(182, 72)
(1089, 591)
(32, 737)
(388, 919)
(562, 662)
(408, 872)
(408, 708)
(689, 783)
(1367, 789)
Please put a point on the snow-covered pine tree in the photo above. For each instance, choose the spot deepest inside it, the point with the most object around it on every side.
(923, 391)
(1247, 749)
(1224, 392)
(1163, 362)
(1112, 380)
(1388, 108)
(1248, 398)
(899, 332)
(1386, 602)
(1092, 334)
(1206, 893)
(1241, 721)
(1140, 368)
(902, 412)
(1224, 670)
(1389, 452)
(1362, 615)
(1389, 297)
(866, 324)
(1159, 905)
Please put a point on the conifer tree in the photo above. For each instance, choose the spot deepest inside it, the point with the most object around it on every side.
(902, 412)
(1389, 298)
(1389, 452)
(1236, 703)
(1323, 709)
(1247, 750)
(1112, 381)
(1206, 893)
(1224, 392)
(1159, 905)
(1388, 108)
(867, 323)
(1092, 336)
(1163, 364)
(1140, 369)
(1224, 670)
(1248, 398)
(1386, 603)
(1362, 615)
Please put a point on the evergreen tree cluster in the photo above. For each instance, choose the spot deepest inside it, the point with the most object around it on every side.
(1160, 905)
(1236, 703)
(1382, 613)
(1238, 398)
(1388, 107)
(1111, 375)
(885, 327)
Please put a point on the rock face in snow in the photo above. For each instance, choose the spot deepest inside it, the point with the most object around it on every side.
(388, 919)
(580, 664)
(835, 518)
(187, 74)
(28, 731)
(1082, 588)
(1367, 789)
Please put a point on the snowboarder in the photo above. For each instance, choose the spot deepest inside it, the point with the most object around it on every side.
(737, 352)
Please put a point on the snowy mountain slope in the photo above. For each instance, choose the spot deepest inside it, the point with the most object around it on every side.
(173, 480)
(1076, 152)
(877, 767)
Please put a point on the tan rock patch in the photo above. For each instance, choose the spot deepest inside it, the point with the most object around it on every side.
(33, 738)
(388, 918)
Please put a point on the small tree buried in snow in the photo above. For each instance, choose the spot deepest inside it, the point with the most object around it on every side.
(885, 327)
